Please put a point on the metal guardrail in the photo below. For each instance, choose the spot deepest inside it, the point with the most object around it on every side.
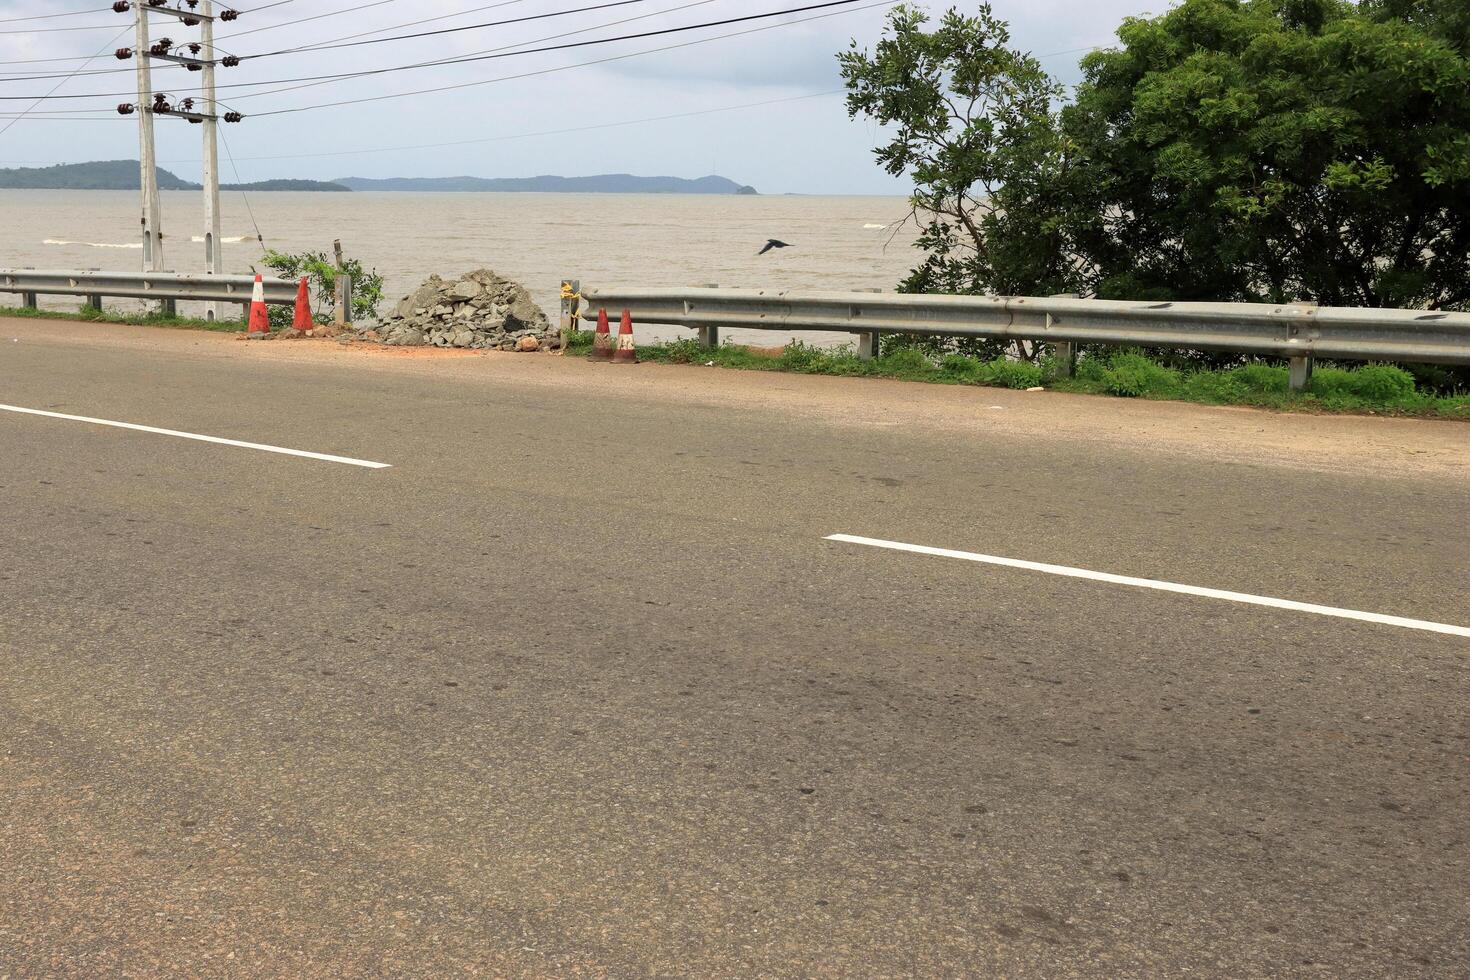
(1297, 332)
(167, 287)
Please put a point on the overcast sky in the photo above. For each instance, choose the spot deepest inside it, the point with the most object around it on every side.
(803, 145)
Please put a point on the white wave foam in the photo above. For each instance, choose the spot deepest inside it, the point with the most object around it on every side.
(62, 241)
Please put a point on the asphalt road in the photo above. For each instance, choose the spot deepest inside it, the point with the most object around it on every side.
(577, 687)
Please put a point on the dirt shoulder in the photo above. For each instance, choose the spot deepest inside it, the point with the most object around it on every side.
(1329, 444)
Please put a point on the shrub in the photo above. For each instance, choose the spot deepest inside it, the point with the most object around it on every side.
(1381, 383)
(1263, 379)
(1004, 373)
(802, 357)
(959, 366)
(686, 351)
(906, 360)
(1214, 387)
(1132, 375)
(321, 271)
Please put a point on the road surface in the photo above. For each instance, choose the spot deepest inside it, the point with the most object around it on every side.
(577, 685)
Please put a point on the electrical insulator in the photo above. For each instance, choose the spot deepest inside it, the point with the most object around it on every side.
(125, 109)
(192, 3)
(157, 3)
(123, 54)
(233, 117)
(194, 67)
(229, 15)
(189, 21)
(122, 6)
(188, 105)
(161, 46)
(230, 61)
(195, 48)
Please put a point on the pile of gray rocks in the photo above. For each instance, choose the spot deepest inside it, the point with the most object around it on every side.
(479, 310)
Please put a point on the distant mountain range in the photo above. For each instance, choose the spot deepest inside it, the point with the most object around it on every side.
(122, 175)
(600, 184)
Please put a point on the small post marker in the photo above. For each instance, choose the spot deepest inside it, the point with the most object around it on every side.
(571, 299)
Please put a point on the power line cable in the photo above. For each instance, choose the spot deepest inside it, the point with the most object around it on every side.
(58, 85)
(587, 64)
(70, 13)
(505, 52)
(327, 45)
(256, 10)
(503, 47)
(302, 20)
(59, 30)
(243, 196)
(416, 23)
(501, 53)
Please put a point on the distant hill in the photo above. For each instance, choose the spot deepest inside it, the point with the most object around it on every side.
(600, 184)
(122, 175)
(285, 185)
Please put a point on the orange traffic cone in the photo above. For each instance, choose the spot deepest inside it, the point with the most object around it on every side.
(303, 321)
(602, 346)
(260, 321)
(626, 352)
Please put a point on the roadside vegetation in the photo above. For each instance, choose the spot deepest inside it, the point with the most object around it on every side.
(1267, 151)
(145, 319)
(321, 272)
(1382, 389)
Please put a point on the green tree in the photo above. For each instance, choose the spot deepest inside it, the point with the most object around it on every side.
(974, 124)
(1278, 151)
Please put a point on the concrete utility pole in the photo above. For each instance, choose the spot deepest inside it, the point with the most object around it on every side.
(213, 247)
(152, 219)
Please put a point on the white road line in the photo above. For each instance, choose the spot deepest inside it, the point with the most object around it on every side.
(1148, 583)
(369, 464)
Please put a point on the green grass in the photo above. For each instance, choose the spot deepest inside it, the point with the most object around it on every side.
(91, 314)
(1382, 389)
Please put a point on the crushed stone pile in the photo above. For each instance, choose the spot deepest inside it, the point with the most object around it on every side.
(479, 310)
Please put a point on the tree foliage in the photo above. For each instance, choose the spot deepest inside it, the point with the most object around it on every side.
(974, 124)
(1278, 151)
(1253, 150)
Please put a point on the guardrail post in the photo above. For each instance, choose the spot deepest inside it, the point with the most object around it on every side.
(94, 300)
(1066, 358)
(1301, 372)
(29, 301)
(1066, 351)
(709, 336)
(168, 306)
(870, 343)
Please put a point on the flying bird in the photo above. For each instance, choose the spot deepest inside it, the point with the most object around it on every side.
(773, 243)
